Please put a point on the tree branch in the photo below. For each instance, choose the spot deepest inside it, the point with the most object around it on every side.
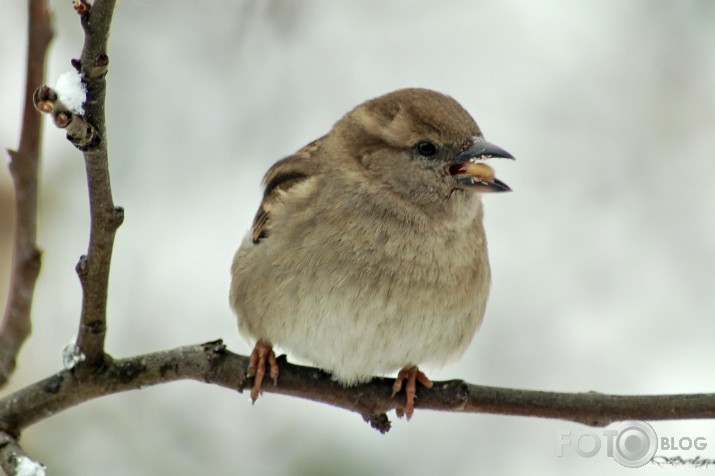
(212, 363)
(16, 325)
(13, 459)
(93, 269)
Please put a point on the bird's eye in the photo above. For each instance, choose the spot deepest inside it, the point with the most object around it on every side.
(426, 148)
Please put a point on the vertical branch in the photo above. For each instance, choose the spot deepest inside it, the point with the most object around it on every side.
(93, 269)
(16, 325)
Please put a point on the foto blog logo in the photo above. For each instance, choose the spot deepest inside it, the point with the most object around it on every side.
(632, 443)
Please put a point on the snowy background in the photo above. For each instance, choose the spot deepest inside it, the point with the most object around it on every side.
(603, 256)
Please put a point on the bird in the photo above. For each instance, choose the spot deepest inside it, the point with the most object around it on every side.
(367, 255)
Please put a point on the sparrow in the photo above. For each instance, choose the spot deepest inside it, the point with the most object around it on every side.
(367, 255)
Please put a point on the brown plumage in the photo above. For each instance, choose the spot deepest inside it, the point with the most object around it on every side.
(367, 254)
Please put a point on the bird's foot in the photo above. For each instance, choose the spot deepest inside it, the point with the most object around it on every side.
(410, 376)
(262, 352)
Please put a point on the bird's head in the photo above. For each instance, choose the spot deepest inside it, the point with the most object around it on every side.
(422, 142)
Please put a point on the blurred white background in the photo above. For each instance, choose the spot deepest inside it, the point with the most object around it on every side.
(603, 257)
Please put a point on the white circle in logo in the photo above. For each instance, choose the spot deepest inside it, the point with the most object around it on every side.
(635, 443)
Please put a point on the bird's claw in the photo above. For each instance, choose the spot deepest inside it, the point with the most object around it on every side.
(262, 352)
(409, 376)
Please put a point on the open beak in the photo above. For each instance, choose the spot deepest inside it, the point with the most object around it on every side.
(471, 172)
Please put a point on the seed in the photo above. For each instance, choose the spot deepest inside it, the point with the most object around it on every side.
(479, 170)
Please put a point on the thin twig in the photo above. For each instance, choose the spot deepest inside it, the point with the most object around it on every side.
(16, 324)
(87, 132)
(93, 269)
(212, 363)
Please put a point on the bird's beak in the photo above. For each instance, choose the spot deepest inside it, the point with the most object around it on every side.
(470, 171)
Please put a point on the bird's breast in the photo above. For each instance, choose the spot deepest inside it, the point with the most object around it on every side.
(359, 295)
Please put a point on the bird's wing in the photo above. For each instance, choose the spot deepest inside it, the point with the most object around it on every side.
(282, 176)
